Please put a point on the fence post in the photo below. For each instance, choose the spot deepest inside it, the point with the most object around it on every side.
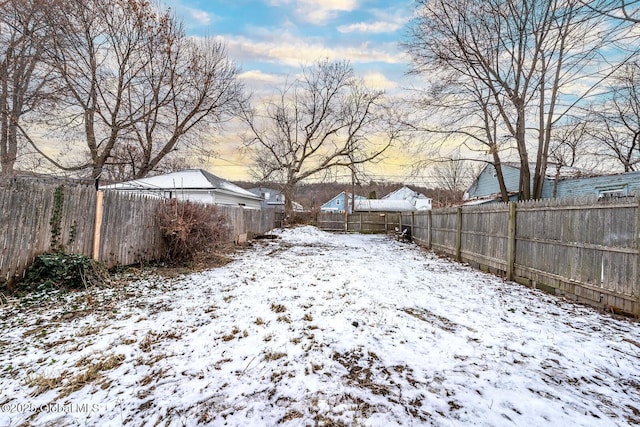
(413, 221)
(429, 232)
(98, 225)
(637, 311)
(459, 237)
(511, 240)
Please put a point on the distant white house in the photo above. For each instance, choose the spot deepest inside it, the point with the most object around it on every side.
(195, 185)
(383, 205)
(274, 199)
(416, 200)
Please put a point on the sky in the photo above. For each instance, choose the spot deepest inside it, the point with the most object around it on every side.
(271, 39)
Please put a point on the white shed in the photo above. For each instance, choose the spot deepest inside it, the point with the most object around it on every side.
(195, 185)
(418, 201)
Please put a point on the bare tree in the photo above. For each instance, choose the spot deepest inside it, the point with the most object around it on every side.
(569, 144)
(191, 95)
(615, 122)
(24, 79)
(471, 124)
(522, 59)
(454, 175)
(626, 10)
(136, 87)
(325, 120)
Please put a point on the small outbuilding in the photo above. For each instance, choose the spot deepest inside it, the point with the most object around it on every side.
(196, 185)
(417, 201)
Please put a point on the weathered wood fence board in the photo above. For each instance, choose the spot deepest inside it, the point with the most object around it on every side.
(444, 230)
(27, 225)
(128, 231)
(484, 236)
(328, 221)
(359, 222)
(588, 250)
(421, 230)
(585, 248)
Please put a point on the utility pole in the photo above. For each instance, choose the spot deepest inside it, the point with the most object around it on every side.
(353, 188)
(346, 210)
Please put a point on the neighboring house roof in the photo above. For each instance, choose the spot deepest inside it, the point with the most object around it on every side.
(383, 205)
(489, 199)
(403, 193)
(191, 181)
(416, 201)
(565, 172)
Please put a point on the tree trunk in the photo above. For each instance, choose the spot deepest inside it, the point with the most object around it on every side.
(498, 167)
(525, 172)
(287, 192)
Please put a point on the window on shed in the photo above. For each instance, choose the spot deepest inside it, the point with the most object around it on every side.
(609, 193)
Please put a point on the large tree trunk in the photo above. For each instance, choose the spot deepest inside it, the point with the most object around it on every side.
(287, 192)
(503, 188)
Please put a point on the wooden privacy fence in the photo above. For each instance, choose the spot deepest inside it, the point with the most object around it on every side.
(358, 222)
(34, 217)
(113, 227)
(586, 249)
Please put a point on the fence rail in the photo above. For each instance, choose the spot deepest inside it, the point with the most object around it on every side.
(359, 222)
(586, 249)
(37, 217)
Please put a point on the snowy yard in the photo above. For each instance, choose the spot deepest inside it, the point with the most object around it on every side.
(318, 329)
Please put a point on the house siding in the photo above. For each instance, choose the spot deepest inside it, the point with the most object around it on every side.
(487, 183)
(337, 204)
(271, 198)
(628, 182)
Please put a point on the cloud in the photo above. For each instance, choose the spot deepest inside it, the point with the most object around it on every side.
(259, 76)
(384, 21)
(317, 12)
(379, 81)
(200, 16)
(293, 51)
(370, 27)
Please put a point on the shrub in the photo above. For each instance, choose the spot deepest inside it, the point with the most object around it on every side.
(189, 228)
(60, 270)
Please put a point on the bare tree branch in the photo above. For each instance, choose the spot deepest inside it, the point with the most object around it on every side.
(516, 67)
(326, 120)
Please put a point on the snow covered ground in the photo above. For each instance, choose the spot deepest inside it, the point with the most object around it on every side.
(317, 329)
